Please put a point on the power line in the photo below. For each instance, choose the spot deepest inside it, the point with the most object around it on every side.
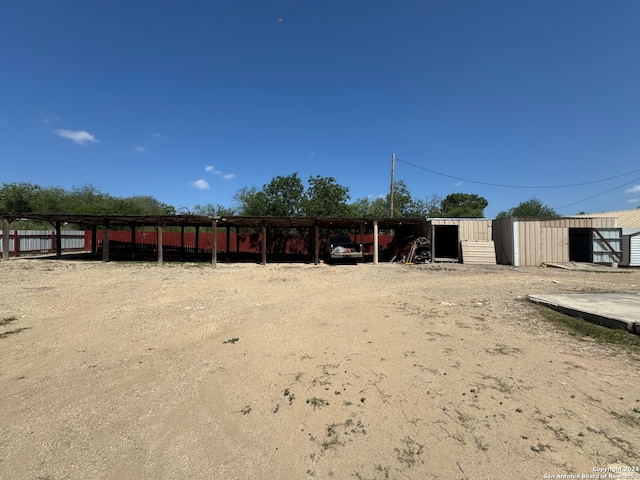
(519, 186)
(598, 194)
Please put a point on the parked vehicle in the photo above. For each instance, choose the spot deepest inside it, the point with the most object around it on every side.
(342, 248)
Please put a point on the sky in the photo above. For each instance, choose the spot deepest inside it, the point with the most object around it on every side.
(188, 101)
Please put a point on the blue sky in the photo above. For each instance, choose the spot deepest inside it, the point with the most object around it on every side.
(188, 101)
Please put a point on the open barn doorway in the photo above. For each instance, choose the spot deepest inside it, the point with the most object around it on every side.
(445, 243)
(580, 247)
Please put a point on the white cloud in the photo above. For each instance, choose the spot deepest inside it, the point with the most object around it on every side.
(229, 176)
(139, 149)
(458, 184)
(634, 200)
(209, 168)
(81, 137)
(51, 118)
(201, 184)
(158, 136)
(634, 189)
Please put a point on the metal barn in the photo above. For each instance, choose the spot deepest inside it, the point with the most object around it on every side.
(446, 235)
(629, 221)
(533, 241)
(630, 248)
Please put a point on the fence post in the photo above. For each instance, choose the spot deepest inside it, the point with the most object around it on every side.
(87, 239)
(105, 240)
(5, 239)
(58, 240)
(264, 244)
(94, 238)
(214, 242)
(16, 243)
(160, 246)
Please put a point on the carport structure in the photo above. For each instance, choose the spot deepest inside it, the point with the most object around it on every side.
(264, 225)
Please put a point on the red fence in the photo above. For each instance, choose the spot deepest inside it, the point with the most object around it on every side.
(279, 243)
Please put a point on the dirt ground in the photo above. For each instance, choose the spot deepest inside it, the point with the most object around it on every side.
(296, 371)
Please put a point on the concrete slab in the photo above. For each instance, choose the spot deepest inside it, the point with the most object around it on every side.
(584, 267)
(614, 310)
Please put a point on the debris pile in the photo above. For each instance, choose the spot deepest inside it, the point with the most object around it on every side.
(416, 251)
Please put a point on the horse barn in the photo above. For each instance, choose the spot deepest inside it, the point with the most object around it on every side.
(237, 238)
(534, 241)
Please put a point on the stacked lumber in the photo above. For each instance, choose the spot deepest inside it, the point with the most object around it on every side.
(419, 252)
(478, 253)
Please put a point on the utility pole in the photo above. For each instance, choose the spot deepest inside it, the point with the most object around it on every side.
(393, 168)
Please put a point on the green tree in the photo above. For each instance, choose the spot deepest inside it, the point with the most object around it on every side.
(284, 196)
(325, 198)
(404, 205)
(213, 210)
(251, 202)
(86, 200)
(365, 207)
(427, 208)
(463, 205)
(531, 208)
(18, 197)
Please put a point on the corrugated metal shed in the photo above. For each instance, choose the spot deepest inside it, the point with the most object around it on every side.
(626, 218)
(447, 233)
(531, 241)
(471, 229)
(631, 250)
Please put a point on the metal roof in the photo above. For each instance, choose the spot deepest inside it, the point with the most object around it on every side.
(207, 220)
(626, 218)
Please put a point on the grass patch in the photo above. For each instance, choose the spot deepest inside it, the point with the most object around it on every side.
(409, 453)
(541, 447)
(317, 403)
(580, 328)
(231, 340)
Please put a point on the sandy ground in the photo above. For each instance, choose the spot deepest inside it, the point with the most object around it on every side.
(294, 371)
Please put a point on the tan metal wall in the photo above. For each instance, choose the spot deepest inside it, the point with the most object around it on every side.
(529, 242)
(479, 230)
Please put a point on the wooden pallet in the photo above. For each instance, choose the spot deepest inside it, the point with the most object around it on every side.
(478, 253)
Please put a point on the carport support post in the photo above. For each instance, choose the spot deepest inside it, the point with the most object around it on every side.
(362, 240)
(105, 240)
(58, 240)
(5, 239)
(214, 243)
(160, 247)
(264, 244)
(237, 239)
(375, 242)
(316, 241)
(197, 239)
